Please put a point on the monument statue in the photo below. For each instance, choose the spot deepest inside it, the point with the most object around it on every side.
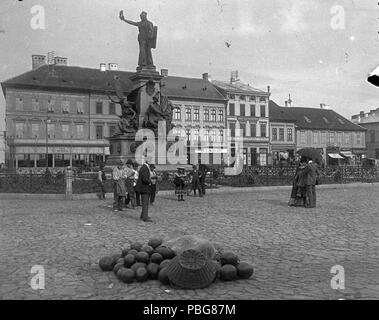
(147, 39)
(158, 112)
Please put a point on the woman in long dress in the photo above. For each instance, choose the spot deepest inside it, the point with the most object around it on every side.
(299, 185)
(179, 182)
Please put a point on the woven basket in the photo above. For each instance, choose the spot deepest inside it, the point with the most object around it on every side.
(191, 270)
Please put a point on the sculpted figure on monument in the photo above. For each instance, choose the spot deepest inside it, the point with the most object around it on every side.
(147, 39)
(158, 112)
(128, 120)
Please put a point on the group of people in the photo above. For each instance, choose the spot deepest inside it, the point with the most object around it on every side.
(196, 179)
(132, 184)
(306, 178)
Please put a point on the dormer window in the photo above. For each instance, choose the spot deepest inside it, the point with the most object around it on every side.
(340, 121)
(307, 119)
(243, 98)
(65, 106)
(326, 120)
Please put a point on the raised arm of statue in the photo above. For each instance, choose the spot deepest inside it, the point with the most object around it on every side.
(114, 101)
(126, 20)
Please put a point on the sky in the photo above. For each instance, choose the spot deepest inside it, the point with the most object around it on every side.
(319, 51)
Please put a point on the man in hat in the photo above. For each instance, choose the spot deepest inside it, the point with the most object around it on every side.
(196, 177)
(119, 190)
(154, 179)
(143, 187)
(129, 173)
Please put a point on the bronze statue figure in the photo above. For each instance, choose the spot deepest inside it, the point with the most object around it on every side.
(147, 38)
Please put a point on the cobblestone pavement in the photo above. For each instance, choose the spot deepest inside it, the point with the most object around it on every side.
(292, 249)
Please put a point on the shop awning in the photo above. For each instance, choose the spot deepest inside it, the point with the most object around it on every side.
(335, 156)
(347, 154)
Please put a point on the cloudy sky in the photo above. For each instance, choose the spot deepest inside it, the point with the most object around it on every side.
(319, 51)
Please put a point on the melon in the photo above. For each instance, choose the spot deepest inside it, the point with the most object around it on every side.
(136, 246)
(218, 271)
(228, 272)
(163, 276)
(107, 263)
(142, 257)
(121, 260)
(129, 260)
(164, 264)
(148, 249)
(117, 256)
(154, 243)
(229, 258)
(153, 270)
(133, 252)
(156, 258)
(138, 265)
(126, 275)
(245, 270)
(117, 267)
(165, 252)
(125, 251)
(141, 274)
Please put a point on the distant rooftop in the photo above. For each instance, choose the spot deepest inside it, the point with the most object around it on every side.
(237, 87)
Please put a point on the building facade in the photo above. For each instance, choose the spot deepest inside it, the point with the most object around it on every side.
(58, 116)
(248, 111)
(282, 136)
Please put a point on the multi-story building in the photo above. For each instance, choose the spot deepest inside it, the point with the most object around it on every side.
(248, 111)
(199, 113)
(370, 121)
(58, 115)
(339, 140)
(282, 135)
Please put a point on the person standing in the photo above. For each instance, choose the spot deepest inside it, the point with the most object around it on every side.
(179, 179)
(119, 190)
(101, 177)
(312, 172)
(203, 169)
(143, 187)
(196, 178)
(154, 179)
(299, 185)
(130, 173)
(136, 169)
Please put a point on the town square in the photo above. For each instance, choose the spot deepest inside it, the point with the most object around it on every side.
(152, 150)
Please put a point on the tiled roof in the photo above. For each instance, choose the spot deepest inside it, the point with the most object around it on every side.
(67, 77)
(78, 78)
(314, 118)
(180, 87)
(237, 87)
(278, 114)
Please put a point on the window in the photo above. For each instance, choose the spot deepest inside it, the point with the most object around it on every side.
(221, 137)
(232, 127)
(65, 106)
(253, 130)
(307, 119)
(79, 107)
(19, 129)
(188, 114)
(242, 110)
(19, 104)
(289, 134)
(252, 110)
(302, 137)
(315, 137)
(206, 135)
(35, 130)
(339, 138)
(112, 108)
(243, 98)
(50, 105)
(331, 137)
(99, 132)
(274, 134)
(262, 99)
(99, 107)
(35, 104)
(79, 131)
(51, 130)
(206, 114)
(323, 137)
(177, 114)
(340, 121)
(326, 120)
(196, 113)
(213, 115)
(188, 134)
(263, 129)
(372, 135)
(263, 111)
(213, 135)
(281, 134)
(221, 115)
(243, 129)
(347, 137)
(232, 96)
(196, 134)
(65, 130)
(358, 138)
(253, 98)
(231, 109)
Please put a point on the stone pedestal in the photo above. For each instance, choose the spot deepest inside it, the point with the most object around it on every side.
(122, 147)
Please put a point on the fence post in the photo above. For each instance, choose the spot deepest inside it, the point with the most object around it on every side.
(68, 177)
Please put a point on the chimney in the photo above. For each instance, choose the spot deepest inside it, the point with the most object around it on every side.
(361, 114)
(60, 61)
(286, 103)
(322, 105)
(113, 66)
(206, 76)
(38, 60)
(268, 89)
(103, 67)
(164, 72)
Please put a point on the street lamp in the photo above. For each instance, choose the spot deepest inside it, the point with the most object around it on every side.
(48, 121)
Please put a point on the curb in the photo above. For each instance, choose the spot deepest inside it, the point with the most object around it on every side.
(221, 190)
